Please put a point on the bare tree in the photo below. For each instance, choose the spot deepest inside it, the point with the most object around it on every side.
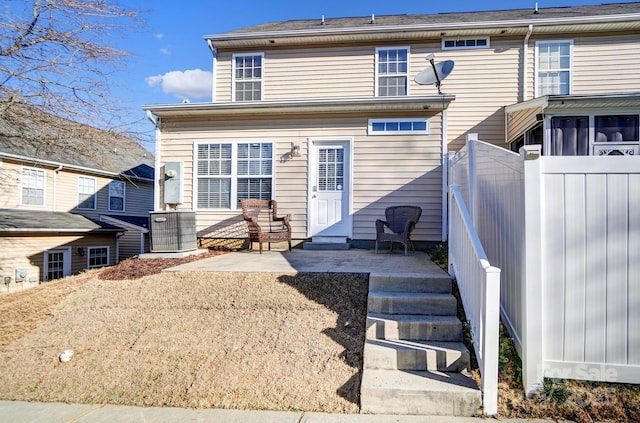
(56, 57)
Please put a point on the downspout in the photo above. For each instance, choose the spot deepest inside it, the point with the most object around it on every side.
(445, 177)
(55, 174)
(156, 169)
(214, 52)
(525, 63)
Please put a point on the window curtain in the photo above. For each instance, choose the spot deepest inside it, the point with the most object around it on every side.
(569, 136)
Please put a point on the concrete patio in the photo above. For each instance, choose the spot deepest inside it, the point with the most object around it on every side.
(309, 261)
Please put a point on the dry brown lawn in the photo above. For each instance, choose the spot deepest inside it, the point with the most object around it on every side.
(220, 340)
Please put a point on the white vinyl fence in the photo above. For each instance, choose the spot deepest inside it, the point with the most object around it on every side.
(479, 286)
(565, 232)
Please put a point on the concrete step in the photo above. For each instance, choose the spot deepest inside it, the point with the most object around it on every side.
(415, 355)
(326, 246)
(413, 327)
(439, 283)
(412, 303)
(419, 393)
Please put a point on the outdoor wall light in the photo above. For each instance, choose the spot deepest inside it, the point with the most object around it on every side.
(295, 150)
(80, 251)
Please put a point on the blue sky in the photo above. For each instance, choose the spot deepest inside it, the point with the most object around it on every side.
(171, 58)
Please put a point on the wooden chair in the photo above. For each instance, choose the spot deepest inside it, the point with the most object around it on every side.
(397, 228)
(264, 223)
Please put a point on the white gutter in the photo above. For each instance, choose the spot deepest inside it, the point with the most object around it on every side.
(525, 64)
(55, 174)
(214, 52)
(68, 166)
(423, 27)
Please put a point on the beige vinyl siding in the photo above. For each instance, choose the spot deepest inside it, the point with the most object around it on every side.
(601, 64)
(520, 121)
(606, 64)
(319, 72)
(138, 196)
(27, 251)
(387, 169)
(10, 185)
(62, 188)
(483, 81)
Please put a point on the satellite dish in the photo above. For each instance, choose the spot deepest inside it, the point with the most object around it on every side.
(435, 73)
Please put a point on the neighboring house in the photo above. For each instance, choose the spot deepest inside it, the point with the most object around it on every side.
(325, 117)
(70, 200)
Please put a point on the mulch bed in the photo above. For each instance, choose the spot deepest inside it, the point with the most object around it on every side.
(135, 268)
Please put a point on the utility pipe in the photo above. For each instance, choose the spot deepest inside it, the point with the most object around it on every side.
(525, 63)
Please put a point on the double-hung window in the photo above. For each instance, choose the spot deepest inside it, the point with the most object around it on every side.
(116, 195)
(229, 171)
(392, 71)
(86, 193)
(32, 185)
(247, 76)
(553, 67)
(97, 256)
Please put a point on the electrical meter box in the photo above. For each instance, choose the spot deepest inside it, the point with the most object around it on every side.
(21, 275)
(173, 180)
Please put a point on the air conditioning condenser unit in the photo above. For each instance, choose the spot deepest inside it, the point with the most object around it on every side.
(173, 231)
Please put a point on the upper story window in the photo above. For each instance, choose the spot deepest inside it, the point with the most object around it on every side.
(553, 67)
(398, 126)
(32, 186)
(392, 71)
(228, 172)
(86, 193)
(465, 43)
(97, 257)
(247, 76)
(116, 195)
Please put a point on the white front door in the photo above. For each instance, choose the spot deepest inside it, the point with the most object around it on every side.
(57, 263)
(330, 188)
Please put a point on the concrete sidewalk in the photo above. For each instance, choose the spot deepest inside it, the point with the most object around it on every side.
(23, 412)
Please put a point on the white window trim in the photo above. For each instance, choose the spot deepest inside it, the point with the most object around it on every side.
(591, 115)
(377, 76)
(44, 187)
(95, 193)
(487, 39)
(124, 196)
(89, 256)
(234, 171)
(66, 263)
(233, 75)
(536, 70)
(370, 130)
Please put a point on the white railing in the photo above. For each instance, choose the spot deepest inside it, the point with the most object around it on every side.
(479, 285)
(565, 232)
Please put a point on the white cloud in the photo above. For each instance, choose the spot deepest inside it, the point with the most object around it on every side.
(159, 35)
(187, 85)
(165, 51)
